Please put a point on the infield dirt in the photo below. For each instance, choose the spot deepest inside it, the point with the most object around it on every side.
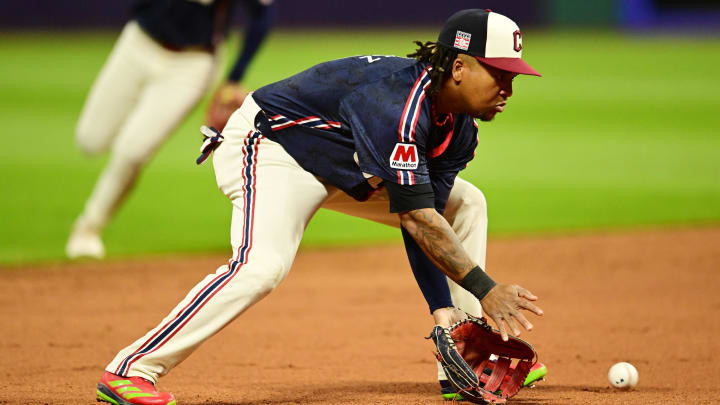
(347, 325)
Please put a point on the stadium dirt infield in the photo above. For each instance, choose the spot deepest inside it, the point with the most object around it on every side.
(347, 326)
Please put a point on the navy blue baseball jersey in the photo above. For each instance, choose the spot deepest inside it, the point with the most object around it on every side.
(181, 24)
(359, 121)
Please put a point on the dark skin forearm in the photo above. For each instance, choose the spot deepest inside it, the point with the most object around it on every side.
(437, 239)
(440, 243)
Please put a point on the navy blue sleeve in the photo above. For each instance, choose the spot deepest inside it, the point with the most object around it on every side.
(430, 279)
(259, 20)
(442, 183)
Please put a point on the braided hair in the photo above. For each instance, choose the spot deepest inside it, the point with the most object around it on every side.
(440, 59)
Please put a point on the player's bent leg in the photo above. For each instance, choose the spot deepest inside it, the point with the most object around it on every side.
(466, 211)
(375, 209)
(273, 200)
(162, 105)
(206, 309)
(115, 91)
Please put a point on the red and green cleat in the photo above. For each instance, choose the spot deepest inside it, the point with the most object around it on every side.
(537, 373)
(131, 391)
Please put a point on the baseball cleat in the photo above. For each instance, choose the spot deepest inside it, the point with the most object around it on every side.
(448, 392)
(537, 373)
(131, 391)
(84, 242)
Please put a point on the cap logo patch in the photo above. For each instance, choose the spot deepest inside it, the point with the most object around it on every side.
(462, 40)
(404, 156)
(517, 41)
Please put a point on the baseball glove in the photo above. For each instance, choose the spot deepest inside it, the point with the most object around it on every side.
(228, 98)
(464, 351)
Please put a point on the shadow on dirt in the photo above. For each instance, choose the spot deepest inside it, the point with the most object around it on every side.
(330, 393)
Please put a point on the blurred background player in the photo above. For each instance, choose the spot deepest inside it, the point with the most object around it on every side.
(161, 66)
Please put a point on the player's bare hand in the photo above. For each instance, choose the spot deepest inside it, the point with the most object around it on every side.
(448, 316)
(503, 304)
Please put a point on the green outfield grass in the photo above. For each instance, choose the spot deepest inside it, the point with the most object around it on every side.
(621, 131)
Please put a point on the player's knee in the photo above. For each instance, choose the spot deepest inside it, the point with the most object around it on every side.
(473, 202)
(277, 270)
(476, 199)
(133, 157)
(270, 274)
(91, 140)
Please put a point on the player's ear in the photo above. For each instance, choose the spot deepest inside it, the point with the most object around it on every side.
(458, 67)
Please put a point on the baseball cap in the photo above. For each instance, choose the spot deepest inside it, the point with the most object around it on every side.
(490, 37)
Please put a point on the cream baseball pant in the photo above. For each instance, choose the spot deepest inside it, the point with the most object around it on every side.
(141, 95)
(273, 200)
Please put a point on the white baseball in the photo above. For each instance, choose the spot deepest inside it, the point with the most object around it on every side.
(623, 375)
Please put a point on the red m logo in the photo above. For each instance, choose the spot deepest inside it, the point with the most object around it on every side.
(405, 153)
(404, 156)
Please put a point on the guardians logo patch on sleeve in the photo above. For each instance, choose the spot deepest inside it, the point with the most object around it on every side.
(404, 156)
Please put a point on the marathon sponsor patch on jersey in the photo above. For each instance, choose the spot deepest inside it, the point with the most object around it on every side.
(462, 40)
(404, 156)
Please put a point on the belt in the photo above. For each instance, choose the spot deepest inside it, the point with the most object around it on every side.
(191, 48)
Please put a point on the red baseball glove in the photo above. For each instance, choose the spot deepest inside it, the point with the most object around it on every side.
(464, 351)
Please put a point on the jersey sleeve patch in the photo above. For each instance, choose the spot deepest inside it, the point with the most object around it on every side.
(404, 156)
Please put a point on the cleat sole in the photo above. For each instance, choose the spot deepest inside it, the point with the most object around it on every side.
(453, 397)
(101, 397)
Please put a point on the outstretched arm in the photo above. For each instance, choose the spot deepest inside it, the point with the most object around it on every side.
(259, 17)
(437, 239)
(501, 302)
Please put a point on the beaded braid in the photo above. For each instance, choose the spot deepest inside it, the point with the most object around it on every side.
(440, 58)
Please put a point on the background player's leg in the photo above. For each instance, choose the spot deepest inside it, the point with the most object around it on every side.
(177, 82)
(273, 200)
(115, 91)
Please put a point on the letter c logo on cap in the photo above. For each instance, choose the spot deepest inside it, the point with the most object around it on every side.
(517, 41)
